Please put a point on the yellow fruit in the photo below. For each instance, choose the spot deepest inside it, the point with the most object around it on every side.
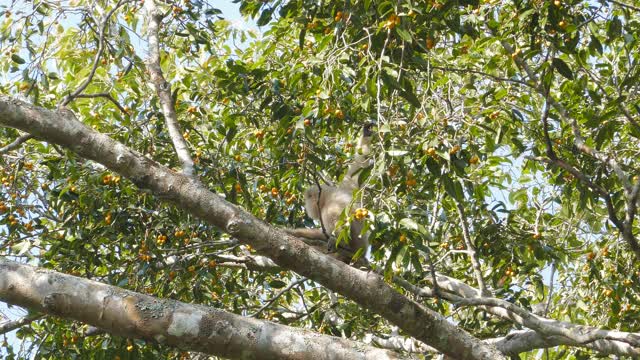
(338, 16)
(430, 43)
(361, 213)
(454, 150)
(274, 192)
(562, 24)
(339, 114)
(391, 22)
(393, 170)
(431, 152)
(474, 160)
(307, 122)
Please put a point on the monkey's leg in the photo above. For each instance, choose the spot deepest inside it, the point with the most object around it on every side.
(309, 233)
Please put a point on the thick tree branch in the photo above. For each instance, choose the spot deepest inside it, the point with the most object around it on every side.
(366, 288)
(190, 327)
(526, 340)
(462, 294)
(163, 88)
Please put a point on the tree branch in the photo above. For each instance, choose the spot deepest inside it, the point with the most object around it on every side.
(366, 288)
(15, 143)
(520, 341)
(278, 295)
(106, 96)
(471, 250)
(12, 325)
(163, 88)
(190, 327)
(626, 231)
(96, 59)
(462, 294)
(625, 5)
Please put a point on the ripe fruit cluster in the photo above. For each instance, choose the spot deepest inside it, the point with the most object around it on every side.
(361, 213)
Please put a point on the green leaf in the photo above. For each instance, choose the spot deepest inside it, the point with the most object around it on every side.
(395, 153)
(453, 188)
(562, 68)
(404, 35)
(17, 59)
(277, 284)
(265, 17)
(409, 224)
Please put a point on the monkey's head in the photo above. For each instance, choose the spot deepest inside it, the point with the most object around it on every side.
(367, 128)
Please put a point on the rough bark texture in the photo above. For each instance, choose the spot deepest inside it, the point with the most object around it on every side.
(367, 289)
(189, 327)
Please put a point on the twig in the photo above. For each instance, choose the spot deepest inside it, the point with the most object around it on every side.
(278, 295)
(620, 3)
(163, 88)
(96, 59)
(471, 250)
(15, 143)
(106, 96)
(478, 72)
(626, 231)
(7, 326)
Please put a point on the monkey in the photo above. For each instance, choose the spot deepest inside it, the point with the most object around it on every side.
(326, 203)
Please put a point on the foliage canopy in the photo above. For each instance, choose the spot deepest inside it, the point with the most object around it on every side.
(507, 130)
